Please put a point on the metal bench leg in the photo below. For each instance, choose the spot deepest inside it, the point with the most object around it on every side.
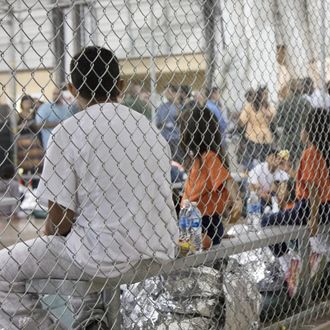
(306, 284)
(111, 300)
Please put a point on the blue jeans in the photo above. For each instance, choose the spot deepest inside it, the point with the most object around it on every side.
(297, 216)
(213, 227)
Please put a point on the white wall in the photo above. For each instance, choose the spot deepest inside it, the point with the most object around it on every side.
(127, 32)
(32, 39)
(250, 32)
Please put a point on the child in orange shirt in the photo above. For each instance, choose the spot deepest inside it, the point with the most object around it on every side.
(209, 182)
(312, 206)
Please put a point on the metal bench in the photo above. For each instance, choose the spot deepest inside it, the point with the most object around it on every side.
(110, 288)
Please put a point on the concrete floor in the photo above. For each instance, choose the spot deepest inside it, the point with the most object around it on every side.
(15, 229)
(18, 229)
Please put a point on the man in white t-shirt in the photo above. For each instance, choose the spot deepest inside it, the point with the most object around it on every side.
(106, 182)
(264, 177)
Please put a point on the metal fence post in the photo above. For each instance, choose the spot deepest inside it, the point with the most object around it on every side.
(58, 44)
(152, 72)
(323, 49)
(305, 284)
(209, 12)
(111, 300)
(77, 23)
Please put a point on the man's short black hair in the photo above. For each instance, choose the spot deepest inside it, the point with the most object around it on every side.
(173, 88)
(186, 89)
(210, 91)
(94, 73)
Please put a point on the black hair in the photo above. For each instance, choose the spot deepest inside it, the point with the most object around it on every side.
(259, 101)
(186, 89)
(273, 151)
(7, 171)
(307, 86)
(215, 89)
(210, 91)
(250, 95)
(200, 133)
(317, 127)
(94, 73)
(27, 98)
(173, 88)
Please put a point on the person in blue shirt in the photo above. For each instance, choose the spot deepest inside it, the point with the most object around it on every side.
(213, 104)
(51, 114)
(166, 120)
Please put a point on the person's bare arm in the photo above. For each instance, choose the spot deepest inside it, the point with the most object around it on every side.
(244, 116)
(59, 220)
(269, 112)
(236, 205)
(285, 166)
(282, 194)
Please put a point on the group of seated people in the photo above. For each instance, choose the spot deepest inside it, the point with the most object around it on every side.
(288, 195)
(106, 182)
(206, 164)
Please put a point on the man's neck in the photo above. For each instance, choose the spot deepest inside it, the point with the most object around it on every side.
(86, 104)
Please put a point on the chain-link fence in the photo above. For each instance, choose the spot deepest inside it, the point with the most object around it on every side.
(164, 164)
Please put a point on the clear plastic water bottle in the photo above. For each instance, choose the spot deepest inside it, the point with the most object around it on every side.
(184, 228)
(184, 221)
(275, 207)
(196, 228)
(254, 209)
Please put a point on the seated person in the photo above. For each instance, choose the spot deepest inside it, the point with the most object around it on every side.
(209, 182)
(106, 180)
(312, 206)
(30, 152)
(286, 195)
(265, 177)
(9, 187)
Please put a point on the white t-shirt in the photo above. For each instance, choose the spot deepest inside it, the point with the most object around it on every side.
(112, 167)
(261, 176)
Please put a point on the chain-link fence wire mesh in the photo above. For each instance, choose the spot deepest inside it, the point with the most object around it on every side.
(222, 103)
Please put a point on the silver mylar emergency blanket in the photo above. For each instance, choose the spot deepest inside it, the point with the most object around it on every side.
(198, 298)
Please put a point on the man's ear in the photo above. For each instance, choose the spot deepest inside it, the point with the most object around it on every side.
(120, 86)
(73, 90)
